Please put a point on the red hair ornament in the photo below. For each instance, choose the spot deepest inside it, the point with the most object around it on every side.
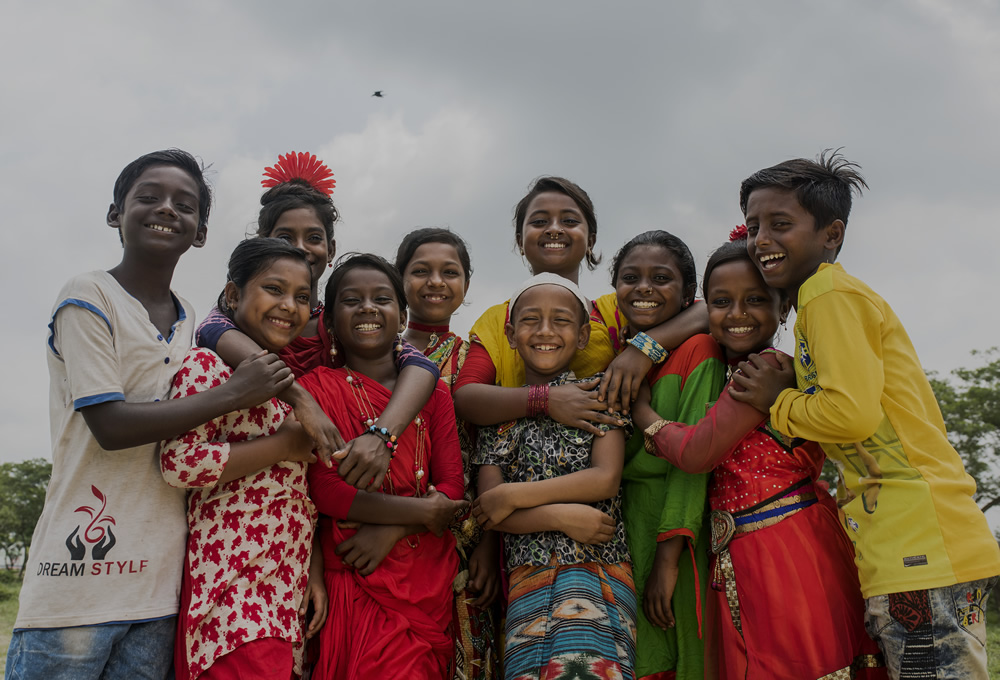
(300, 165)
(739, 233)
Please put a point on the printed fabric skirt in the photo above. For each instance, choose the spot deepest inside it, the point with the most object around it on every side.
(570, 621)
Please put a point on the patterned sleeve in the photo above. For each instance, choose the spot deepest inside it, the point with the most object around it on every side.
(211, 329)
(497, 444)
(411, 356)
(196, 459)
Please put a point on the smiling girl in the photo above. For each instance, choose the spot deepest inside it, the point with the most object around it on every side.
(654, 279)
(436, 269)
(297, 208)
(785, 596)
(389, 577)
(250, 519)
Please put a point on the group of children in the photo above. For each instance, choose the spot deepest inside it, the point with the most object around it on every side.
(338, 485)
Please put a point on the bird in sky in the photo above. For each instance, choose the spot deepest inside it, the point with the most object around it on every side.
(378, 93)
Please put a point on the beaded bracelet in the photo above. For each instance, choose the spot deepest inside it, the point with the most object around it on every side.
(651, 348)
(650, 432)
(538, 400)
(382, 433)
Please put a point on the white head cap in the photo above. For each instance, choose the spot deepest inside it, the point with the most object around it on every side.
(547, 278)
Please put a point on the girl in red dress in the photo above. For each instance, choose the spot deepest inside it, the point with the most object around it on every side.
(389, 562)
(785, 599)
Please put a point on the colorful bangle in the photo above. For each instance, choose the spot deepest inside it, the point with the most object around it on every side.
(650, 432)
(538, 400)
(382, 433)
(651, 348)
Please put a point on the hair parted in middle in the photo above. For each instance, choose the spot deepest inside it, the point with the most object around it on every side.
(250, 258)
(418, 237)
(349, 262)
(823, 186)
(560, 185)
(670, 243)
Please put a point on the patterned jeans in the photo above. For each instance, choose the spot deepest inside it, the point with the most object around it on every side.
(938, 633)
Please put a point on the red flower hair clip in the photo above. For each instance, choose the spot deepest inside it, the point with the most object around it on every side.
(300, 165)
(739, 233)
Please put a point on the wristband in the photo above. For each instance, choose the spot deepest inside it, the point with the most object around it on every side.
(650, 432)
(383, 434)
(651, 348)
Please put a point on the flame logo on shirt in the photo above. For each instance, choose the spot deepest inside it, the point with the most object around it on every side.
(96, 534)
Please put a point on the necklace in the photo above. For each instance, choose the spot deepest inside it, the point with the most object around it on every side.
(369, 417)
(317, 310)
(435, 332)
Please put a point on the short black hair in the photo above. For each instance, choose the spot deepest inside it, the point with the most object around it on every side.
(252, 256)
(418, 237)
(351, 261)
(823, 187)
(174, 157)
(666, 240)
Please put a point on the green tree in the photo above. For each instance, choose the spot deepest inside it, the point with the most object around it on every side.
(970, 403)
(22, 495)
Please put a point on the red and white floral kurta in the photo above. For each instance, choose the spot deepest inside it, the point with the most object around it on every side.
(250, 539)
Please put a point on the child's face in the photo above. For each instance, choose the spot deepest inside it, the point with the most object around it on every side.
(783, 240)
(366, 315)
(650, 287)
(547, 327)
(435, 283)
(160, 212)
(555, 235)
(273, 307)
(743, 312)
(303, 229)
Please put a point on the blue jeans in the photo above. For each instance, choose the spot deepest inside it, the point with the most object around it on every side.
(938, 633)
(105, 652)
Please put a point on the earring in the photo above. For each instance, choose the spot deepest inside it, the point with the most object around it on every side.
(402, 328)
(330, 265)
(522, 251)
(399, 343)
(333, 348)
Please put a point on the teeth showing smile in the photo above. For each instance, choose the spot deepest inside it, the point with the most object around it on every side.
(545, 348)
(742, 330)
(160, 227)
(645, 304)
(435, 298)
(365, 327)
(553, 246)
(771, 260)
(281, 323)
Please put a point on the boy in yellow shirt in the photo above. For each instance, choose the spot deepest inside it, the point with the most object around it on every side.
(925, 555)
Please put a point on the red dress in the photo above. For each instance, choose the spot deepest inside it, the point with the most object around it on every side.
(800, 610)
(396, 622)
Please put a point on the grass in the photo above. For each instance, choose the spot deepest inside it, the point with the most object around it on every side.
(10, 586)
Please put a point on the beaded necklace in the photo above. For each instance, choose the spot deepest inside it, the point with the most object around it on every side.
(369, 417)
(437, 332)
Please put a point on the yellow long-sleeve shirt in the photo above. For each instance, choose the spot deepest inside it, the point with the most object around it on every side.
(906, 500)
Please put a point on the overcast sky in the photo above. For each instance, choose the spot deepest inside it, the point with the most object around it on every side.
(657, 109)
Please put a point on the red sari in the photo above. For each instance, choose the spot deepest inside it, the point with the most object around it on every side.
(396, 622)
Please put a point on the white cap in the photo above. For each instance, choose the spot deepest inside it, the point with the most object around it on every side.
(547, 278)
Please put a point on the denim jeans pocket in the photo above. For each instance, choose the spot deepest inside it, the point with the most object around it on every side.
(877, 617)
(969, 601)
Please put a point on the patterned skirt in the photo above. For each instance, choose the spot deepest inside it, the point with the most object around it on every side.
(570, 621)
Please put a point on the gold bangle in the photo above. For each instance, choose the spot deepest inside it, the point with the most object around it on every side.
(650, 431)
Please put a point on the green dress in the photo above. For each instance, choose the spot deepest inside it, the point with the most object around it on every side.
(660, 501)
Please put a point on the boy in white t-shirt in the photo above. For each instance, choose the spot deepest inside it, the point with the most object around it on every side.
(100, 593)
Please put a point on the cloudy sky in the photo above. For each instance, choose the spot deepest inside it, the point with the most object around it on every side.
(658, 109)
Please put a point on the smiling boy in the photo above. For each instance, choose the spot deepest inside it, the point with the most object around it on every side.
(925, 555)
(101, 586)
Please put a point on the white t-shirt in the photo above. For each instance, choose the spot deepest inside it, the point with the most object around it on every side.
(110, 543)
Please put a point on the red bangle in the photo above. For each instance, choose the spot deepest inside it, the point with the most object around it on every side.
(538, 400)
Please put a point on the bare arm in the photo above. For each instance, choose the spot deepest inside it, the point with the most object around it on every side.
(626, 372)
(121, 424)
(598, 482)
(289, 443)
